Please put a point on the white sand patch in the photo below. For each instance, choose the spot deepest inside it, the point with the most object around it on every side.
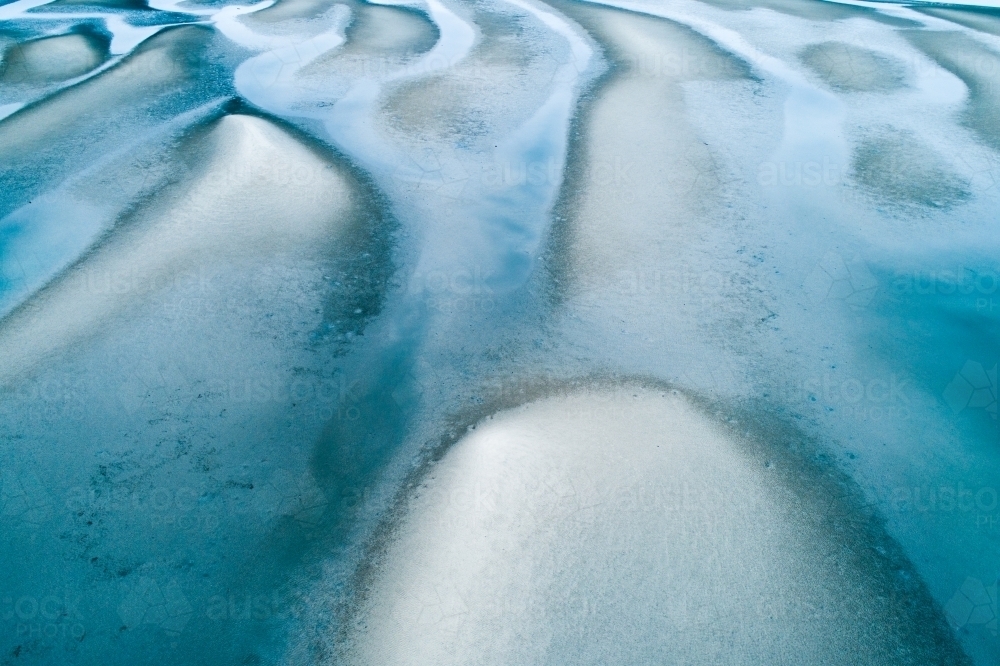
(183, 345)
(387, 31)
(849, 68)
(979, 68)
(621, 527)
(710, 333)
(156, 67)
(286, 10)
(50, 59)
(261, 192)
(379, 40)
(981, 21)
(649, 177)
(54, 229)
(645, 234)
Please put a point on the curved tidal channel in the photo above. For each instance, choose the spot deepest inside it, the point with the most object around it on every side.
(499, 332)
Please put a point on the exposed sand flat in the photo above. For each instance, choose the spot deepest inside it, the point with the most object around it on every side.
(898, 167)
(983, 19)
(389, 31)
(258, 192)
(286, 10)
(378, 39)
(158, 65)
(116, 4)
(57, 226)
(853, 69)
(623, 526)
(814, 10)
(978, 67)
(197, 334)
(51, 59)
(293, 20)
(459, 123)
(44, 142)
(484, 95)
(638, 188)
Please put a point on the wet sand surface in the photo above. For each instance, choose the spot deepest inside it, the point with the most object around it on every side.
(498, 331)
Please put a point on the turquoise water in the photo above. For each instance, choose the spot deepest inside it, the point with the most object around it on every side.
(207, 473)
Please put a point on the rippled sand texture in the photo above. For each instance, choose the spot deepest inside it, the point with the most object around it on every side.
(498, 332)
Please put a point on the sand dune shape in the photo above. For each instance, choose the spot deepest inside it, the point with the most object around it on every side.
(851, 68)
(51, 59)
(978, 67)
(261, 192)
(634, 190)
(623, 526)
(158, 65)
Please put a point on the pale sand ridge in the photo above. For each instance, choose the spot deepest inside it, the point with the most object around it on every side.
(261, 192)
